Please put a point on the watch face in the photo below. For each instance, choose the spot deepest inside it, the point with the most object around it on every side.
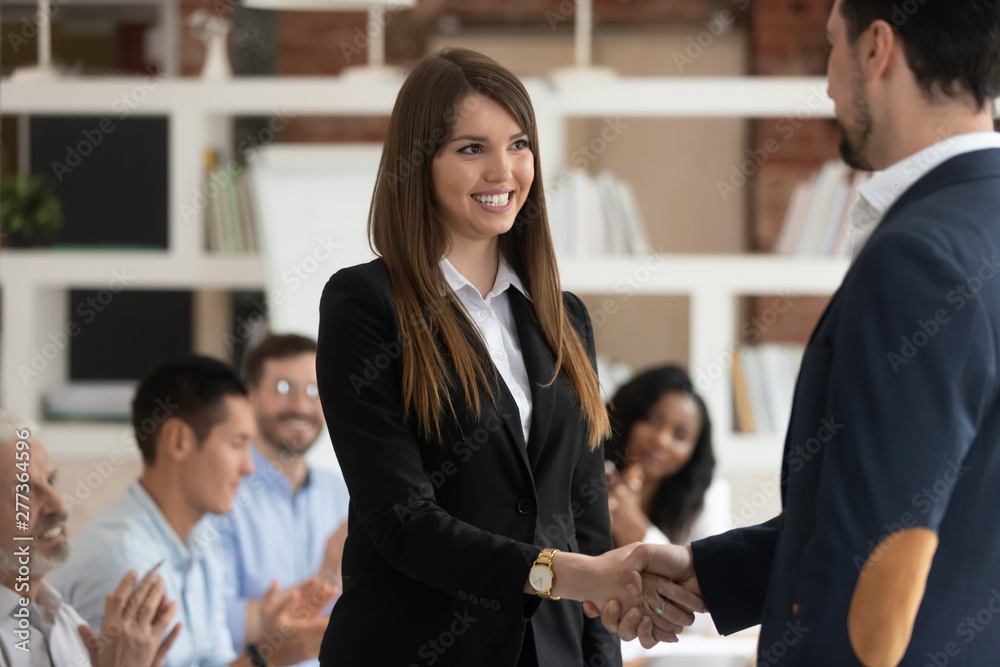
(540, 578)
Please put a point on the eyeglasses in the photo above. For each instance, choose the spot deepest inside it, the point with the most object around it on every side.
(289, 388)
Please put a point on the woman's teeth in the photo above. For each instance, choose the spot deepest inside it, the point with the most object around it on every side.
(498, 201)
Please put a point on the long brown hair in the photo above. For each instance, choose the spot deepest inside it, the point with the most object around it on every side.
(404, 229)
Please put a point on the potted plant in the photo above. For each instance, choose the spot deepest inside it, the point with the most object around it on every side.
(30, 212)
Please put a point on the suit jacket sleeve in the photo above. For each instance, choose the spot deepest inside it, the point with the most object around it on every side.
(590, 495)
(733, 571)
(390, 493)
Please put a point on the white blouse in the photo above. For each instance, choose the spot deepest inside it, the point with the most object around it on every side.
(498, 330)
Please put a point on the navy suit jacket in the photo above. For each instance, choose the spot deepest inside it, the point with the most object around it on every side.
(895, 425)
(441, 537)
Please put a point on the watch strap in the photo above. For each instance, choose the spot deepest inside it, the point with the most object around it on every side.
(256, 658)
(545, 560)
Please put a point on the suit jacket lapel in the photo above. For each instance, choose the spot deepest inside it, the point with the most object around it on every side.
(540, 363)
(509, 413)
(975, 164)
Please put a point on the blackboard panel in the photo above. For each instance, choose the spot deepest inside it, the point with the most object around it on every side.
(110, 174)
(120, 335)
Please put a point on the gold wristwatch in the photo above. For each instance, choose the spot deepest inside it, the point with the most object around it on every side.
(541, 578)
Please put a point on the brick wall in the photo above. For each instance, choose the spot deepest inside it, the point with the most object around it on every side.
(324, 43)
(789, 39)
(790, 36)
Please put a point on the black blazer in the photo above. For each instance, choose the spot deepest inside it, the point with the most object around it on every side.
(895, 425)
(441, 538)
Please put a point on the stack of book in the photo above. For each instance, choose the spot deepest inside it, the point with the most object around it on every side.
(818, 220)
(763, 386)
(592, 217)
(230, 222)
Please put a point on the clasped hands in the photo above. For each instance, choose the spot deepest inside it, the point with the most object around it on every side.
(646, 591)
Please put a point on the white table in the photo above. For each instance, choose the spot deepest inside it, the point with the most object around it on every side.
(696, 651)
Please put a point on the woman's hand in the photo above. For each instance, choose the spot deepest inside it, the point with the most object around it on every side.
(629, 522)
(607, 577)
(619, 576)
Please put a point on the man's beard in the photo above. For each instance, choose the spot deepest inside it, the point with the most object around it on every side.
(38, 563)
(854, 142)
(269, 428)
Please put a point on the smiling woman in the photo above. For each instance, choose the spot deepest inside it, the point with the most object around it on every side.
(481, 179)
(661, 443)
(473, 455)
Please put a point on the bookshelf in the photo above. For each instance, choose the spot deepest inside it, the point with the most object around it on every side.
(713, 283)
(35, 282)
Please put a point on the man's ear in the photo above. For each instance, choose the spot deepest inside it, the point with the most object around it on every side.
(177, 440)
(878, 48)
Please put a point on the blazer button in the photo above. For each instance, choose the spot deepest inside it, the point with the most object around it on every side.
(526, 506)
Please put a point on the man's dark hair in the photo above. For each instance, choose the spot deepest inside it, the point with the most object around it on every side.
(951, 47)
(276, 347)
(191, 388)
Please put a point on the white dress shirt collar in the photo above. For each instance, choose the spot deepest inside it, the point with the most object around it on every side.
(182, 554)
(54, 639)
(885, 188)
(8, 601)
(506, 277)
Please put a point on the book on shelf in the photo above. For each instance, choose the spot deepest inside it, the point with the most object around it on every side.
(596, 217)
(741, 398)
(755, 390)
(763, 386)
(230, 220)
(248, 212)
(818, 218)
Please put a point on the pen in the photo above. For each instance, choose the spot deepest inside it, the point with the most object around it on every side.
(150, 572)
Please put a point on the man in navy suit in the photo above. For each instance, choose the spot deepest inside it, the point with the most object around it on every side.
(888, 549)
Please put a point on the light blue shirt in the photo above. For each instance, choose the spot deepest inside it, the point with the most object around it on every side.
(133, 534)
(274, 534)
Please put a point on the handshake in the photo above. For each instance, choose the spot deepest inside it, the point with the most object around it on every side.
(640, 590)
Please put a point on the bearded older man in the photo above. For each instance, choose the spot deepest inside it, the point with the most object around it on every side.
(37, 628)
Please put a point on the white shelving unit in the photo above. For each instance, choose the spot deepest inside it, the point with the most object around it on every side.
(35, 282)
(713, 283)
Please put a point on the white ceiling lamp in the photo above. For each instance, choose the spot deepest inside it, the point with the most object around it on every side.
(374, 35)
(583, 67)
(43, 71)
